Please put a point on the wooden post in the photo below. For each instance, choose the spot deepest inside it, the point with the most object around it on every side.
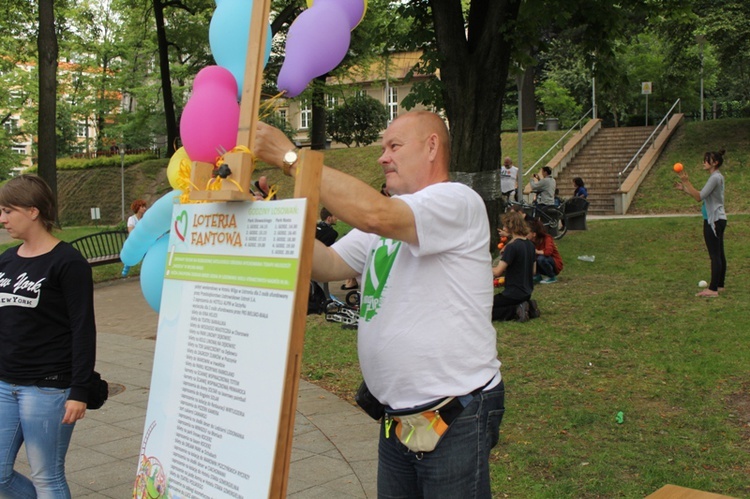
(307, 185)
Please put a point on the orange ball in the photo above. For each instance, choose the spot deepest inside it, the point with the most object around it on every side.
(500, 245)
(677, 167)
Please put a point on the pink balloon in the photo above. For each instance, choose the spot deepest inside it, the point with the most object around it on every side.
(316, 43)
(211, 117)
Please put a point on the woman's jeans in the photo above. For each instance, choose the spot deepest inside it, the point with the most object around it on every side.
(32, 415)
(715, 246)
(545, 265)
(459, 465)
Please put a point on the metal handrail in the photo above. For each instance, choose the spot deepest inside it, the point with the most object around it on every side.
(651, 138)
(590, 111)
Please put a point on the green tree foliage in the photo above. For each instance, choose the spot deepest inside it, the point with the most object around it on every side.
(8, 159)
(726, 27)
(359, 120)
(558, 103)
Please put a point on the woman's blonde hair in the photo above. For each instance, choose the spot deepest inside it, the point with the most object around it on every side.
(515, 222)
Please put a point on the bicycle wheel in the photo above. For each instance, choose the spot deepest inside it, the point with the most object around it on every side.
(553, 221)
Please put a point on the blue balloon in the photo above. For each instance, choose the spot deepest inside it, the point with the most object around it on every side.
(155, 222)
(152, 272)
(228, 34)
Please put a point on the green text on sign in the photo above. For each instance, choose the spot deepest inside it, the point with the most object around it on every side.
(271, 273)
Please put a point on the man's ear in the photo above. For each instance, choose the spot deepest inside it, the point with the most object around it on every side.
(433, 142)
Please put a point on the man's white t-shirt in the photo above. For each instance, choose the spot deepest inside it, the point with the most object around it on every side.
(425, 329)
(508, 178)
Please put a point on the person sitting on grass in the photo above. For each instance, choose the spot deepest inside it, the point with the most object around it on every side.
(548, 260)
(517, 264)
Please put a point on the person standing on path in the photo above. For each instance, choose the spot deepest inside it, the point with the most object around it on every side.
(508, 179)
(714, 217)
(48, 338)
(138, 207)
(424, 333)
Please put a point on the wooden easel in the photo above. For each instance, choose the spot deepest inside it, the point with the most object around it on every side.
(307, 185)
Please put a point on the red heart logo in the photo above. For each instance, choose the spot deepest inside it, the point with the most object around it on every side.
(180, 225)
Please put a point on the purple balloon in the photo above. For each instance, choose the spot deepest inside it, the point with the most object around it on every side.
(354, 9)
(317, 42)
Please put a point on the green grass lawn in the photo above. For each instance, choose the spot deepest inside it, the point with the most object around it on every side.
(691, 141)
(623, 333)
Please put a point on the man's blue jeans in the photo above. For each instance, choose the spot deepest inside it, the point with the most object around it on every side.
(459, 465)
(32, 415)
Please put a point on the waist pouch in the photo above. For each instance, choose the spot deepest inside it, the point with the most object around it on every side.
(420, 429)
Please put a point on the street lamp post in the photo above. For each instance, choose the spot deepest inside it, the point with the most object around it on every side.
(122, 180)
(519, 84)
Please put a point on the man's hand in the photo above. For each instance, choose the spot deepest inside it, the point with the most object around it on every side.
(271, 144)
(74, 410)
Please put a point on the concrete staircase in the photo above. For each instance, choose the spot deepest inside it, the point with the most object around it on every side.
(598, 164)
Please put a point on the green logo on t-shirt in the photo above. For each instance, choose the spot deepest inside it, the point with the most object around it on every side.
(376, 276)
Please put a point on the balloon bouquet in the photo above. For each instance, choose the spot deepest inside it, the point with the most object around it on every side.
(316, 43)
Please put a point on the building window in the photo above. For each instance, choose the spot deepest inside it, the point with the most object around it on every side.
(16, 98)
(282, 115)
(19, 149)
(305, 115)
(331, 101)
(82, 129)
(11, 126)
(392, 103)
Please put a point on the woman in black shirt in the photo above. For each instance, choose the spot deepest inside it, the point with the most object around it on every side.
(48, 339)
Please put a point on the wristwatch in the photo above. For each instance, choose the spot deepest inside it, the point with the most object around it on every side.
(290, 157)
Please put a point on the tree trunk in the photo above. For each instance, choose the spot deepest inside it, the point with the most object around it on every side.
(101, 107)
(166, 80)
(318, 131)
(474, 72)
(48, 50)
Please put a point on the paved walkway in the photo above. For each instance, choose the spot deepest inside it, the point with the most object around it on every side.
(334, 448)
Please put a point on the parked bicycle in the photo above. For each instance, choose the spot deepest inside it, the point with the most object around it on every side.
(551, 216)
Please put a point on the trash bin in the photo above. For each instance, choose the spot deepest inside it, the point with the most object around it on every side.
(552, 124)
(574, 213)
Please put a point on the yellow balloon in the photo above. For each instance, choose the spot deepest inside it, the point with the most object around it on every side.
(364, 11)
(173, 169)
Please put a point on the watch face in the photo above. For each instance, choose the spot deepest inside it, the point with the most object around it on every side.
(290, 157)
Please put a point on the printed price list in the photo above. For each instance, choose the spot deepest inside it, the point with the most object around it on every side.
(277, 236)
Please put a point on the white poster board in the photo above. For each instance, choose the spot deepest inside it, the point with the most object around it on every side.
(221, 352)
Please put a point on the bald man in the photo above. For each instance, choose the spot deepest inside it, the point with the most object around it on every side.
(424, 330)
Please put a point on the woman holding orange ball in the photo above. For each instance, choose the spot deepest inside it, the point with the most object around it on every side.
(714, 217)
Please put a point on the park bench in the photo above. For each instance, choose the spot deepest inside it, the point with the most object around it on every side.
(574, 213)
(101, 248)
